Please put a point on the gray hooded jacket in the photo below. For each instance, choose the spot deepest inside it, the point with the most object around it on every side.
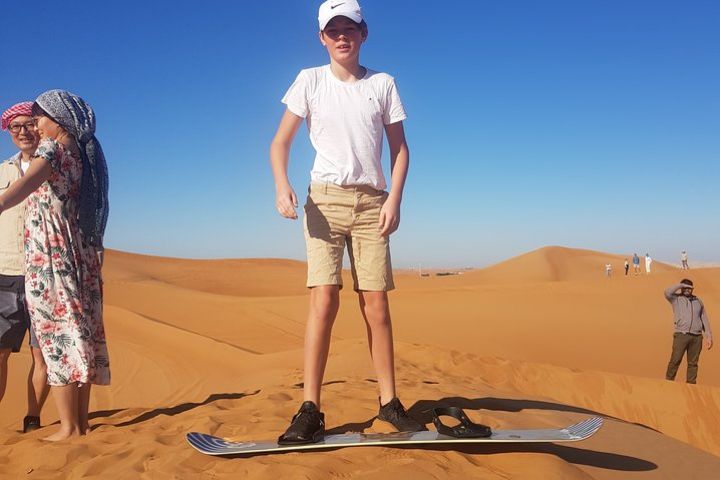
(689, 312)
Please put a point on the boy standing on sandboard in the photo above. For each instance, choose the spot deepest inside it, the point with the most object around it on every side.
(347, 107)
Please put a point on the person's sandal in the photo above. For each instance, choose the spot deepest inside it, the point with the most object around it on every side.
(465, 429)
(31, 424)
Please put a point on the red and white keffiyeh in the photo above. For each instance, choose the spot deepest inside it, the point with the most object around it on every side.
(22, 108)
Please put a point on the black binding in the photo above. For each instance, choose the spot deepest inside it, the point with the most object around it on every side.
(465, 429)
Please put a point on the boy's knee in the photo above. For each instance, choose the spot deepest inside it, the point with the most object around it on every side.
(325, 298)
(375, 300)
(326, 292)
(376, 307)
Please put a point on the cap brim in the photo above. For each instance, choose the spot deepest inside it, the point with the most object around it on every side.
(351, 15)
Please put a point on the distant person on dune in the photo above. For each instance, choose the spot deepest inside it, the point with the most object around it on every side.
(608, 270)
(691, 324)
(684, 260)
(627, 266)
(636, 264)
(648, 263)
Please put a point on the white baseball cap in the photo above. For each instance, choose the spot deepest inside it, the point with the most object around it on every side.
(333, 8)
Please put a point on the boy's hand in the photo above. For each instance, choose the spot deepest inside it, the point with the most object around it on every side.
(286, 202)
(708, 343)
(389, 216)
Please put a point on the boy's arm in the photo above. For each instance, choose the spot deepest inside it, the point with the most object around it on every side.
(38, 172)
(285, 198)
(399, 163)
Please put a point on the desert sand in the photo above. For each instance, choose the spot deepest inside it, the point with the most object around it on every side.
(540, 340)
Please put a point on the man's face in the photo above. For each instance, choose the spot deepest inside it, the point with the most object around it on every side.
(343, 38)
(687, 291)
(24, 134)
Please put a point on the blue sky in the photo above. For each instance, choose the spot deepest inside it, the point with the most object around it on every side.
(591, 124)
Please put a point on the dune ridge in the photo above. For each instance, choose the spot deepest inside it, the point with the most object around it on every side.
(541, 340)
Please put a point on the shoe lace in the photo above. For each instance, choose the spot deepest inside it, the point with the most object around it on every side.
(305, 419)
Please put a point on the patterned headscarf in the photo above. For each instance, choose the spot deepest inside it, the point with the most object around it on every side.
(78, 119)
(17, 110)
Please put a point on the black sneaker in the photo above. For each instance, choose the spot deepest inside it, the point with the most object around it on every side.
(395, 414)
(30, 424)
(307, 426)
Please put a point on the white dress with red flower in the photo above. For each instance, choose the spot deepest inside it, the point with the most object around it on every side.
(63, 286)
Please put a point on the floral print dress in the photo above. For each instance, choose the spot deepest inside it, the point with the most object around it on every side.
(63, 285)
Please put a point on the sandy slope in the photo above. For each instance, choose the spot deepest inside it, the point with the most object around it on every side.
(540, 340)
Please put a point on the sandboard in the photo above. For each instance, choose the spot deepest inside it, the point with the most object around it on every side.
(211, 445)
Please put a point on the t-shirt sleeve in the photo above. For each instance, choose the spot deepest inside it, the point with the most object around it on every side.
(394, 110)
(48, 149)
(296, 97)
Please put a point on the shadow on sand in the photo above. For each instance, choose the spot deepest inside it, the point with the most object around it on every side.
(574, 455)
(421, 411)
(169, 411)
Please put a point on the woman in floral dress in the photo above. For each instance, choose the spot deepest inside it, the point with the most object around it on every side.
(66, 187)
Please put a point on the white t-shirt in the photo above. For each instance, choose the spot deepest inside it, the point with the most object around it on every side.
(24, 166)
(346, 123)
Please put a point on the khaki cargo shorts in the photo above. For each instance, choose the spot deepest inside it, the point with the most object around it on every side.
(336, 216)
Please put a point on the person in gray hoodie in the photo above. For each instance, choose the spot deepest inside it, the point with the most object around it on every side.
(691, 324)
